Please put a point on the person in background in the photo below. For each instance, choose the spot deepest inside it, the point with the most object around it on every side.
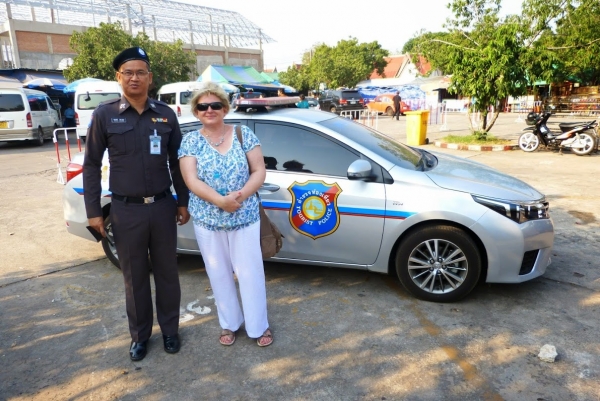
(316, 96)
(223, 176)
(397, 106)
(280, 93)
(69, 115)
(303, 103)
(142, 137)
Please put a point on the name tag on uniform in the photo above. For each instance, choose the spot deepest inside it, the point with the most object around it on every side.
(154, 144)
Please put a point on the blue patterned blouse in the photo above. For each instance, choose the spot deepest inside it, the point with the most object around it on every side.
(224, 173)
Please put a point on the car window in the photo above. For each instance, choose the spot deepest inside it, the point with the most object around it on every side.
(189, 127)
(384, 146)
(185, 97)
(89, 101)
(35, 103)
(294, 148)
(43, 103)
(51, 103)
(11, 102)
(350, 95)
(168, 98)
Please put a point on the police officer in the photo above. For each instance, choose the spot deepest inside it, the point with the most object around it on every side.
(142, 137)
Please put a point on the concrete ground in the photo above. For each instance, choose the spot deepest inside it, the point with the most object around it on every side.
(339, 334)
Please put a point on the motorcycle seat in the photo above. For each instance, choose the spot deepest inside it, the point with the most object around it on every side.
(564, 127)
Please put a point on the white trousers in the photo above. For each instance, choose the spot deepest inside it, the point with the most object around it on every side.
(226, 252)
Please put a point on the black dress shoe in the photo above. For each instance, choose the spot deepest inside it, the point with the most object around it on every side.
(138, 351)
(172, 344)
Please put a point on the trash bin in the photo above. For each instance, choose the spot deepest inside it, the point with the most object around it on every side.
(416, 127)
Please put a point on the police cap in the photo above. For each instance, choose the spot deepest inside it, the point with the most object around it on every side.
(133, 53)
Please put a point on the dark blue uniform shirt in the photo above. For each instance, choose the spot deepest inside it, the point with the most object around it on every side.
(134, 171)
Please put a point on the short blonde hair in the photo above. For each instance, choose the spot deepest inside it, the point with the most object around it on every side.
(210, 88)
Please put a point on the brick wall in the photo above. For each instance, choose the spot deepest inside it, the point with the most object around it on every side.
(38, 42)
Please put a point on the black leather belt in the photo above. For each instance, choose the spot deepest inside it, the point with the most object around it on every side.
(141, 199)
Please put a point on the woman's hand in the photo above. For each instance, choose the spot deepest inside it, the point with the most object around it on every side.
(229, 202)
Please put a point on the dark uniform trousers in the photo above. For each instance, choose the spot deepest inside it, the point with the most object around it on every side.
(397, 110)
(139, 229)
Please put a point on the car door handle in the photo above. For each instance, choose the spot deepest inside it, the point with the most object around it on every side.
(266, 187)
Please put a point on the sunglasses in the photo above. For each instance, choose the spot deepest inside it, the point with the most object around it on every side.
(205, 106)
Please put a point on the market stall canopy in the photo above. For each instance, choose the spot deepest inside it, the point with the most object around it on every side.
(72, 87)
(236, 75)
(9, 82)
(229, 88)
(45, 83)
(412, 95)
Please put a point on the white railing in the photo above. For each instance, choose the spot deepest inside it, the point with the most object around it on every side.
(364, 117)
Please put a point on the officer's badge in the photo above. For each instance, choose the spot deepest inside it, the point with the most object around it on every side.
(142, 52)
(314, 211)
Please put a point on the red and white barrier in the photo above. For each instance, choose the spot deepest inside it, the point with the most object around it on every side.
(55, 138)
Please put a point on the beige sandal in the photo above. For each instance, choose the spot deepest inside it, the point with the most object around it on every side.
(268, 335)
(227, 334)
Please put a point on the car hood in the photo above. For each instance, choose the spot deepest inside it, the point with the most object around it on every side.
(464, 175)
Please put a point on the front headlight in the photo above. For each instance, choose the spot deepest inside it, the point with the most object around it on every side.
(519, 212)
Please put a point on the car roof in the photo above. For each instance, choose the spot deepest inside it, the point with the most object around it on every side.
(279, 114)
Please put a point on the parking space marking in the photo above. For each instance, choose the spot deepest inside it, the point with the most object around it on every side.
(470, 373)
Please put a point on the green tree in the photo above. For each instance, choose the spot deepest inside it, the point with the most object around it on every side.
(345, 64)
(568, 47)
(97, 47)
(294, 77)
(491, 58)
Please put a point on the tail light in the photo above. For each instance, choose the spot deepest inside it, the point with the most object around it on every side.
(29, 121)
(76, 119)
(361, 101)
(73, 170)
(178, 111)
(343, 101)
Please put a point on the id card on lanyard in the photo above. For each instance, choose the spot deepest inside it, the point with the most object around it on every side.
(155, 144)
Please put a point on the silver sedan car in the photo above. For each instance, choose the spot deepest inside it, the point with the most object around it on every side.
(345, 195)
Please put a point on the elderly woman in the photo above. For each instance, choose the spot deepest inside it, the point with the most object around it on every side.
(224, 176)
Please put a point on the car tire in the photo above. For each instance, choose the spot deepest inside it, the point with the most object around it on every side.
(332, 109)
(39, 139)
(438, 263)
(109, 247)
(389, 111)
(529, 142)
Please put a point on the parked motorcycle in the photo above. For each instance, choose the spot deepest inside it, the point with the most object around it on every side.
(580, 137)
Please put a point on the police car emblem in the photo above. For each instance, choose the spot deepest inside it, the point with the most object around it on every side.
(314, 211)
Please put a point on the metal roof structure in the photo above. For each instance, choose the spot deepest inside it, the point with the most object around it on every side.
(161, 20)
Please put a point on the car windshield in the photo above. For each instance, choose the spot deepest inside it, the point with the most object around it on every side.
(11, 103)
(89, 101)
(382, 145)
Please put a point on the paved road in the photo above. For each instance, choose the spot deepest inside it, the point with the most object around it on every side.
(339, 334)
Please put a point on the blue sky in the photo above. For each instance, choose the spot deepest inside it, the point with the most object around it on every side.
(297, 25)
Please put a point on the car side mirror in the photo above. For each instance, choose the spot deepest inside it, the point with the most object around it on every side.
(187, 94)
(87, 97)
(360, 170)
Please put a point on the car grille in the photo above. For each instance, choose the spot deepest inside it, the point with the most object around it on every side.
(528, 263)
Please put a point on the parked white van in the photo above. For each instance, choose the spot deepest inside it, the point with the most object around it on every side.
(27, 114)
(88, 96)
(178, 96)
